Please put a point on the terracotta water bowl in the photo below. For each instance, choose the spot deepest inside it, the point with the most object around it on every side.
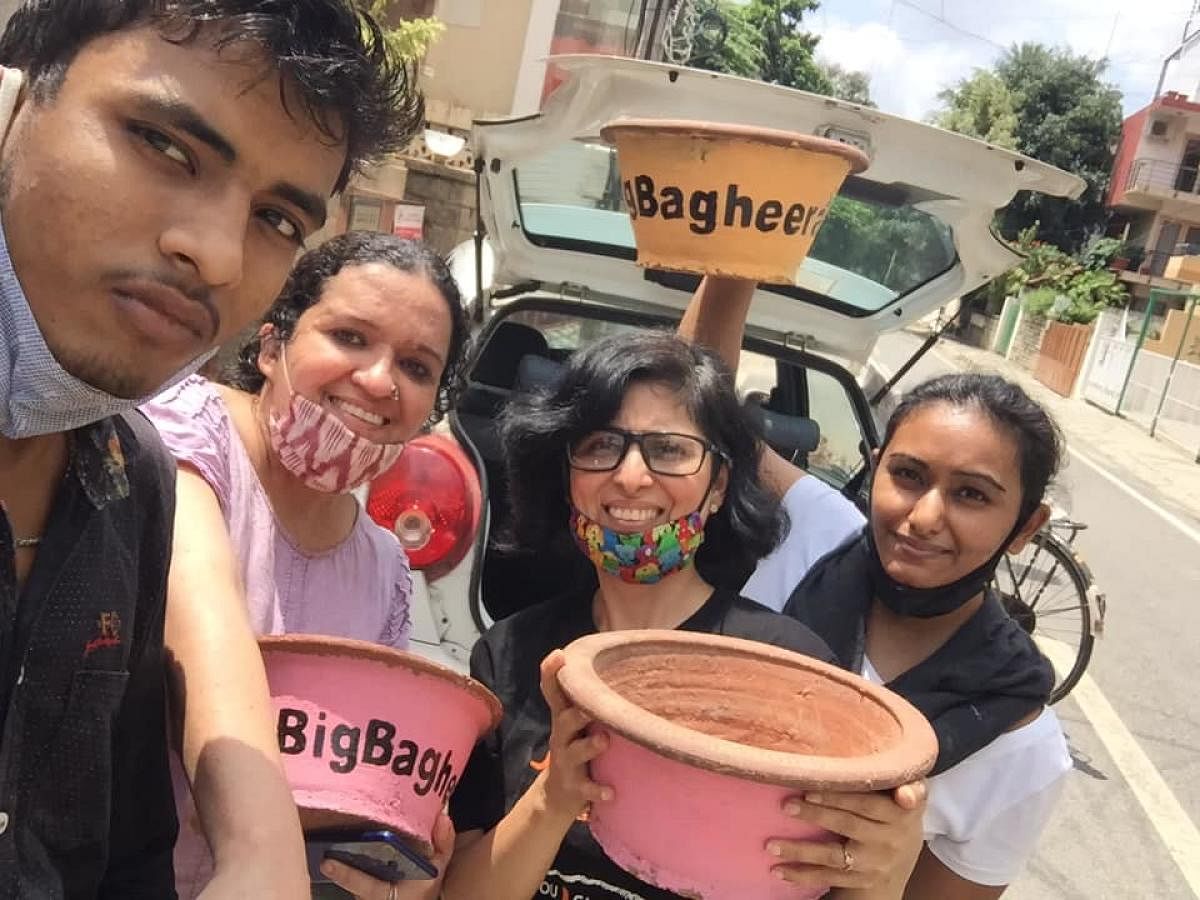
(371, 736)
(709, 735)
(727, 199)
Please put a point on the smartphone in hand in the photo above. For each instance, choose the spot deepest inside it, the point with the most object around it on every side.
(380, 854)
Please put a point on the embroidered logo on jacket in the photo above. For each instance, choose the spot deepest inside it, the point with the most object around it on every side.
(109, 634)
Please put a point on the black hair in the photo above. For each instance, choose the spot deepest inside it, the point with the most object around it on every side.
(333, 56)
(1039, 440)
(536, 430)
(306, 284)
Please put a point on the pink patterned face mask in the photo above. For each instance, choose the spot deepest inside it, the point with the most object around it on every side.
(320, 450)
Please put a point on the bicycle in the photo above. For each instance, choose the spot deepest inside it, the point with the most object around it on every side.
(1049, 590)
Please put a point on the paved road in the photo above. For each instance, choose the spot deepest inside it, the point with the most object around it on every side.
(1126, 825)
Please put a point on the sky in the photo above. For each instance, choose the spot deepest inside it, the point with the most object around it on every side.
(912, 49)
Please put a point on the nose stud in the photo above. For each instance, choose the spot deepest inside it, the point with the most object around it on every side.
(395, 392)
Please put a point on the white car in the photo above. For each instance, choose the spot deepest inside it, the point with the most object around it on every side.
(902, 239)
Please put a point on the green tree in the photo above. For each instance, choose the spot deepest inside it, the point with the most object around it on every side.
(787, 50)
(761, 39)
(1069, 117)
(981, 106)
(848, 85)
(1057, 108)
(724, 40)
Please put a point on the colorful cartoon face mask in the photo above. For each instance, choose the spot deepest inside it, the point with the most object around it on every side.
(321, 450)
(639, 557)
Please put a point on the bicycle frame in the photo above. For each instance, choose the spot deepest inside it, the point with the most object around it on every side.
(1097, 602)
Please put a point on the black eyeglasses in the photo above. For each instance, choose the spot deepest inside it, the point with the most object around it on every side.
(664, 452)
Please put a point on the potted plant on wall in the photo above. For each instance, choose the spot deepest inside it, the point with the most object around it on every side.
(1136, 254)
(1102, 253)
(1129, 257)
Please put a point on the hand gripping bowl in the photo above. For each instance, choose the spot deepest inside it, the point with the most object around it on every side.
(709, 734)
(727, 199)
(371, 736)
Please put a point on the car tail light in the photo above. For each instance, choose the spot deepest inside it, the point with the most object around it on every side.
(431, 499)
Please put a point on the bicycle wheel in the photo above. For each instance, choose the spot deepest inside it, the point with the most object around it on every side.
(1046, 590)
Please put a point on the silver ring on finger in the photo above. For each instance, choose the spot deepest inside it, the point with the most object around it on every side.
(847, 858)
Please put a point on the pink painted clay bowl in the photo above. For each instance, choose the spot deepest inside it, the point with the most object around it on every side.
(371, 736)
(710, 734)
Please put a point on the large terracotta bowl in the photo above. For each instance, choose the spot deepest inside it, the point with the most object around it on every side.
(371, 736)
(727, 199)
(709, 735)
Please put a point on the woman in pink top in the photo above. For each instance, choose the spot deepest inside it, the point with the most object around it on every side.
(359, 353)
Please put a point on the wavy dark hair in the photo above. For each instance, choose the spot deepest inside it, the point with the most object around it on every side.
(330, 54)
(537, 429)
(306, 285)
(1039, 440)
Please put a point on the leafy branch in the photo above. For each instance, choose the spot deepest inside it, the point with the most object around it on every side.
(407, 40)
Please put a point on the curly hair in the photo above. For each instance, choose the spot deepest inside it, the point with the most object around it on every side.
(537, 429)
(329, 54)
(1039, 440)
(306, 284)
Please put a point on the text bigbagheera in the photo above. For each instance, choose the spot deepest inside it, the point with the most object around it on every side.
(373, 745)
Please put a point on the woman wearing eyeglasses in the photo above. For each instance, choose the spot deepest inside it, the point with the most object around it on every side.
(643, 461)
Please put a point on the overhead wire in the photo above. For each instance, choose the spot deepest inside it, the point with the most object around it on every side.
(1118, 62)
(947, 23)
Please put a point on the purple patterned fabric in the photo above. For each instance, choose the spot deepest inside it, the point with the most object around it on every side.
(359, 589)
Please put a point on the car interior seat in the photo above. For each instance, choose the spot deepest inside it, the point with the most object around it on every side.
(491, 380)
(516, 360)
(791, 436)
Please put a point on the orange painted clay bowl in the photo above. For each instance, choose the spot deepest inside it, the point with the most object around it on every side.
(371, 736)
(727, 199)
(709, 735)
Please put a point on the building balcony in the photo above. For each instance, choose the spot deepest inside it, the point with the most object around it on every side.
(1156, 270)
(1154, 184)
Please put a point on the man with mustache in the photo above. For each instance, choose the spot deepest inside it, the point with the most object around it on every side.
(162, 163)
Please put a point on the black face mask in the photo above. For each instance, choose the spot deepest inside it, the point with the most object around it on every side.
(925, 603)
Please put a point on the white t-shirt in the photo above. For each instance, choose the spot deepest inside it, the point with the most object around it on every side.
(985, 815)
(822, 520)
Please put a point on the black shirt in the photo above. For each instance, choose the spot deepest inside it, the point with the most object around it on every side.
(986, 677)
(507, 660)
(85, 792)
